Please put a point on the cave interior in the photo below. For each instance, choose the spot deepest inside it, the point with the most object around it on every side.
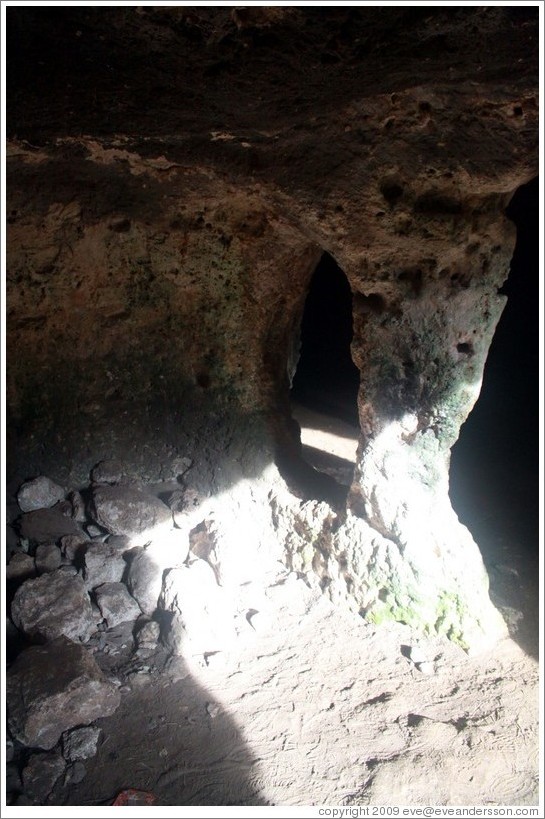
(272, 339)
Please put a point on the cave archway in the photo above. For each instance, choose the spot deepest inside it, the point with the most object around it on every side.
(326, 379)
(325, 384)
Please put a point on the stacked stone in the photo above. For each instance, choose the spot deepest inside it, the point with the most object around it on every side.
(85, 569)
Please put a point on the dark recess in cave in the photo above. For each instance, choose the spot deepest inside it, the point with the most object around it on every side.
(495, 463)
(327, 379)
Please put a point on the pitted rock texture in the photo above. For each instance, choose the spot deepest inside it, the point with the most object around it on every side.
(187, 233)
(53, 688)
(160, 251)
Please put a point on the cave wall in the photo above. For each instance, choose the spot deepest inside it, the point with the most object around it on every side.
(130, 323)
(174, 176)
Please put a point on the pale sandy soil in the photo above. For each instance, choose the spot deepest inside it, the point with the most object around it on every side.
(312, 706)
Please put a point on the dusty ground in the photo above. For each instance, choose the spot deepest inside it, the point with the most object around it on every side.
(313, 706)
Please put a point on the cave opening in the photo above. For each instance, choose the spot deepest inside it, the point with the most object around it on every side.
(325, 385)
(326, 379)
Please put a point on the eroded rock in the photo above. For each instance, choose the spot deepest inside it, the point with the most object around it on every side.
(53, 688)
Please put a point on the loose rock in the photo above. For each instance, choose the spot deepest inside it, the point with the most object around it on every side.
(148, 635)
(21, 566)
(48, 557)
(54, 604)
(109, 471)
(95, 531)
(78, 506)
(41, 774)
(73, 546)
(81, 743)
(121, 543)
(10, 749)
(12, 540)
(47, 525)
(75, 773)
(116, 604)
(53, 688)
(102, 564)
(124, 510)
(14, 783)
(144, 580)
(39, 493)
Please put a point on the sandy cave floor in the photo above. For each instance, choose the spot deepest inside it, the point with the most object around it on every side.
(313, 706)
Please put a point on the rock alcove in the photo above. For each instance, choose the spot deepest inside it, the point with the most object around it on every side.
(181, 181)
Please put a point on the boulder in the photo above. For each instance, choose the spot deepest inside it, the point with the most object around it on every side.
(48, 557)
(109, 471)
(39, 493)
(41, 774)
(20, 567)
(81, 743)
(54, 604)
(202, 619)
(116, 604)
(47, 525)
(144, 579)
(102, 564)
(55, 687)
(127, 510)
(74, 546)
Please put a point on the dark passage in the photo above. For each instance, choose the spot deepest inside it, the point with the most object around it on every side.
(327, 379)
(495, 463)
(494, 475)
